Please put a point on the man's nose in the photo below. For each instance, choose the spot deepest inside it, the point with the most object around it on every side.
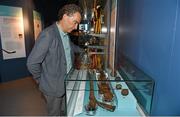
(76, 25)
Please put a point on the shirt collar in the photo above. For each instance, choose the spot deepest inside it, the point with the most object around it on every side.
(59, 27)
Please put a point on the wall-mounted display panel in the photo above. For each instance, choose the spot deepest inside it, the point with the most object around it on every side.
(12, 32)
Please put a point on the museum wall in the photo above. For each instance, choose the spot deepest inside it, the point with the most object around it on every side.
(149, 36)
(12, 69)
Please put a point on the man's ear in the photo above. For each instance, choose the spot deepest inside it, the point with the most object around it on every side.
(65, 16)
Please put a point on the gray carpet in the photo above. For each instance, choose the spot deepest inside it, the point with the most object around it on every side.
(21, 98)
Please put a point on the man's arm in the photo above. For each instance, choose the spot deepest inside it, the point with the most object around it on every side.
(37, 55)
(76, 48)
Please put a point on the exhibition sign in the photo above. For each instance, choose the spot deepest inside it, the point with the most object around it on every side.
(12, 32)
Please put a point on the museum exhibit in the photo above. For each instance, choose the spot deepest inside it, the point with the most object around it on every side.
(128, 64)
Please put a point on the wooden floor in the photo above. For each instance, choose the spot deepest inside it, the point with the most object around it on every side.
(21, 98)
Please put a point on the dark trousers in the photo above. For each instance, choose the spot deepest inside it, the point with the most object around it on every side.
(56, 105)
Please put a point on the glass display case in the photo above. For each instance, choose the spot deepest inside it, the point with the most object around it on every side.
(92, 89)
(142, 86)
(91, 92)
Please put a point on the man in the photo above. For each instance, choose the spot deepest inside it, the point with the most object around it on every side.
(51, 57)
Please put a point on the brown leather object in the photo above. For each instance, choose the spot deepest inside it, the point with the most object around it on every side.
(124, 92)
(108, 97)
(92, 104)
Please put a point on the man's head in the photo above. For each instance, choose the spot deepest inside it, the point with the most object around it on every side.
(69, 17)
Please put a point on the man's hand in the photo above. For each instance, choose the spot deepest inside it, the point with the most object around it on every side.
(37, 81)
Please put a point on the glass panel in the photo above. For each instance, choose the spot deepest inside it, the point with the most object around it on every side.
(96, 93)
(140, 84)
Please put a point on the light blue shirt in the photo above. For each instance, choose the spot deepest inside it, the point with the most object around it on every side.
(67, 48)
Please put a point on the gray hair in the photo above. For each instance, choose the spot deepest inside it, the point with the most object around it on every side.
(69, 10)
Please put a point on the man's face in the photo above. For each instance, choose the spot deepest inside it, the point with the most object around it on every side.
(71, 22)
